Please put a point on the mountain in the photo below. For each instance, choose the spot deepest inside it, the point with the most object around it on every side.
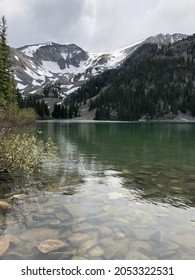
(41, 65)
(152, 84)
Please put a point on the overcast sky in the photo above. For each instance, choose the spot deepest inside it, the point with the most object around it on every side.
(95, 25)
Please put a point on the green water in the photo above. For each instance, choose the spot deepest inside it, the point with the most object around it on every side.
(113, 191)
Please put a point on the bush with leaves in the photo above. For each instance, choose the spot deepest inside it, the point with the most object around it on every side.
(22, 153)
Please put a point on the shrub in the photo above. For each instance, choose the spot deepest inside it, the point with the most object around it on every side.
(22, 153)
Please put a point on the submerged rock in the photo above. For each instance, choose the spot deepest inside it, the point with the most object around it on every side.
(135, 255)
(61, 216)
(38, 234)
(14, 241)
(72, 209)
(78, 258)
(111, 247)
(105, 231)
(21, 196)
(59, 256)
(86, 246)
(156, 236)
(141, 246)
(119, 235)
(82, 227)
(5, 205)
(77, 238)
(50, 245)
(12, 255)
(185, 240)
(4, 244)
(55, 223)
(96, 252)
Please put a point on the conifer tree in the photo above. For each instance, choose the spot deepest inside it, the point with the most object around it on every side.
(47, 113)
(62, 112)
(8, 93)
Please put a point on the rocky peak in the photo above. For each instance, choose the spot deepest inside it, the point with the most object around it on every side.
(63, 55)
(161, 39)
(39, 65)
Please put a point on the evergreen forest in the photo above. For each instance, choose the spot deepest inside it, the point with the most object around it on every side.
(153, 83)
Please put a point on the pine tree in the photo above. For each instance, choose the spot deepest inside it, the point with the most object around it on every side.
(8, 93)
(71, 111)
(56, 111)
(47, 113)
(62, 112)
(42, 109)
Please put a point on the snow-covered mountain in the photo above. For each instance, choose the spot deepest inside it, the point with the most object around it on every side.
(36, 66)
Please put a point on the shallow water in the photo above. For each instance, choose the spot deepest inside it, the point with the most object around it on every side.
(113, 191)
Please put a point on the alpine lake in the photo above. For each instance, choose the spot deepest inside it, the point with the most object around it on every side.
(113, 190)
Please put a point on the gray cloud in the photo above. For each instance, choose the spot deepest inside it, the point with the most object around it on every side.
(95, 25)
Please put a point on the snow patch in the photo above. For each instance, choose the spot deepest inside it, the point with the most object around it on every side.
(17, 79)
(82, 78)
(30, 50)
(31, 73)
(68, 86)
(64, 55)
(94, 72)
(21, 86)
(72, 90)
(53, 79)
(43, 72)
(53, 67)
(32, 92)
(36, 83)
(50, 66)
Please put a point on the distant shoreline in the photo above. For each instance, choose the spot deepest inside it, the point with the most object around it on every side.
(76, 120)
(180, 118)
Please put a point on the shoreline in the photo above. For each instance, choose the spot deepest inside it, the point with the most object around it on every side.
(180, 118)
(76, 120)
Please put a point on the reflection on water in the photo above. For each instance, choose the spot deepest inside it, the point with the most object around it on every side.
(114, 191)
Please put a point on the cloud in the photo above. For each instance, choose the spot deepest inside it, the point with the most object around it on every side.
(176, 16)
(95, 25)
(36, 21)
(115, 21)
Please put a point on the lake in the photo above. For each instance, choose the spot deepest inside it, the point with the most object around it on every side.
(113, 191)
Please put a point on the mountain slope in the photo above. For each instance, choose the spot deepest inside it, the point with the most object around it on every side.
(37, 66)
(152, 83)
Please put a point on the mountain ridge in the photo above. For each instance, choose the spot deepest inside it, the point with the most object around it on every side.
(37, 66)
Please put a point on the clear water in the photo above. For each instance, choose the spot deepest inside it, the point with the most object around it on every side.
(113, 191)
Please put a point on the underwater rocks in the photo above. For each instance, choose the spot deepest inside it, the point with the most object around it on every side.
(50, 245)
